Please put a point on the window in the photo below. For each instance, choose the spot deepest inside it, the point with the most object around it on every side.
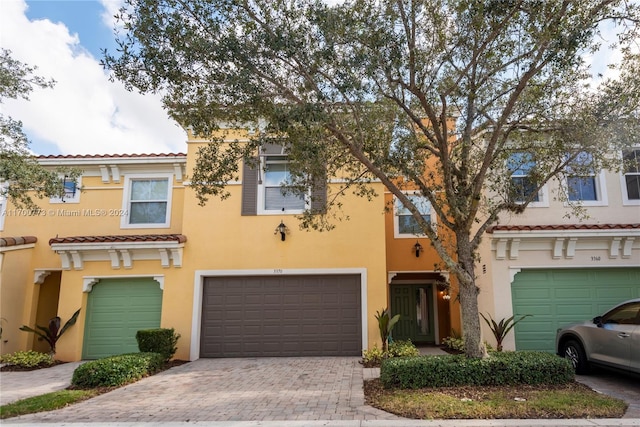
(406, 224)
(71, 191)
(628, 314)
(631, 189)
(147, 201)
(522, 185)
(275, 198)
(584, 184)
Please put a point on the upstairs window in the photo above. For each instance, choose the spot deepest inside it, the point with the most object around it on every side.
(275, 196)
(406, 224)
(523, 186)
(582, 184)
(632, 175)
(147, 202)
(71, 191)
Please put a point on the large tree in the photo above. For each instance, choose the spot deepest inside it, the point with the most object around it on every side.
(378, 89)
(21, 176)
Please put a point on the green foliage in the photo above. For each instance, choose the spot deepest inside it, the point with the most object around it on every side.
(374, 356)
(385, 325)
(502, 328)
(505, 368)
(52, 333)
(27, 359)
(159, 340)
(454, 343)
(116, 371)
(402, 348)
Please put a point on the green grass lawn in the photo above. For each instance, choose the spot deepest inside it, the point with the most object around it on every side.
(572, 400)
(46, 402)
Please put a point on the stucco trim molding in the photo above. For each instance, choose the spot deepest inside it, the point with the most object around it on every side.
(564, 244)
(198, 285)
(119, 255)
(89, 281)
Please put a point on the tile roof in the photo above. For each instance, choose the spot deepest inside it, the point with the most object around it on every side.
(16, 241)
(563, 227)
(108, 156)
(180, 238)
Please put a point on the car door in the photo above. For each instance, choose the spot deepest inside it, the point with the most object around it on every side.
(612, 341)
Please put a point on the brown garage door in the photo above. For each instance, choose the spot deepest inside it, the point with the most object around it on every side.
(281, 316)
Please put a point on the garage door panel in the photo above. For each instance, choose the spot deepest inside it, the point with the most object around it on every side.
(574, 295)
(282, 316)
(116, 310)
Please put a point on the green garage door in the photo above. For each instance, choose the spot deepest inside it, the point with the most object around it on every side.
(116, 310)
(557, 297)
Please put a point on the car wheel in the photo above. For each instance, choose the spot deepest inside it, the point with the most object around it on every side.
(575, 354)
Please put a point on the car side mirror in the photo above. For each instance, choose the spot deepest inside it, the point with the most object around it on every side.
(598, 321)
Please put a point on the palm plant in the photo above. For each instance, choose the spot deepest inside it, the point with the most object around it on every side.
(501, 329)
(53, 332)
(386, 324)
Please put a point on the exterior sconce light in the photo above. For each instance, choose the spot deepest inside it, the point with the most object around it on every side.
(417, 248)
(283, 230)
(446, 296)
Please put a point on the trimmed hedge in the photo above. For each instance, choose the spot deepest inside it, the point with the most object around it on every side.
(158, 340)
(118, 370)
(501, 368)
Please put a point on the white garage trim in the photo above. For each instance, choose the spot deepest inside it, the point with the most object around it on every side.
(200, 275)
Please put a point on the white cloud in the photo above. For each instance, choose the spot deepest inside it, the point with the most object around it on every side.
(84, 113)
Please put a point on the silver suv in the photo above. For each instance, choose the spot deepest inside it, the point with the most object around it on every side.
(611, 340)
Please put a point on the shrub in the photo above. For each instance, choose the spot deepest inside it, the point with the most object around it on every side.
(27, 359)
(115, 371)
(454, 343)
(373, 357)
(508, 368)
(402, 349)
(52, 332)
(159, 340)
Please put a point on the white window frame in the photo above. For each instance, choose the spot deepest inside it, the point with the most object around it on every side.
(543, 192)
(602, 198)
(396, 218)
(65, 199)
(126, 202)
(262, 190)
(623, 185)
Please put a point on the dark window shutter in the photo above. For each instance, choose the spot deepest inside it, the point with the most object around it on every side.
(319, 195)
(250, 188)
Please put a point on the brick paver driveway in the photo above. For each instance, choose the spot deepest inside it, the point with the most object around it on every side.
(312, 388)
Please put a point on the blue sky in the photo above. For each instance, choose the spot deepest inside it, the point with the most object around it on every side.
(84, 113)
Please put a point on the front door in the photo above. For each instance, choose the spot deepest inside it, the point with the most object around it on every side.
(414, 303)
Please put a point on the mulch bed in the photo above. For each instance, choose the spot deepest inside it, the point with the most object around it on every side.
(16, 368)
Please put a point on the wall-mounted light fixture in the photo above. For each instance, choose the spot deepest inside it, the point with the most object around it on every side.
(283, 230)
(417, 248)
(446, 296)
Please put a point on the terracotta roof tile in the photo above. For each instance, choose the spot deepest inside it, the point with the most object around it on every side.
(107, 156)
(16, 241)
(180, 238)
(562, 227)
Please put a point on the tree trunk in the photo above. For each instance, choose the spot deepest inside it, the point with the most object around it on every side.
(473, 345)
